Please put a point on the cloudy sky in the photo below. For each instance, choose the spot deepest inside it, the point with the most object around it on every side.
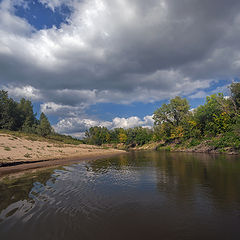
(113, 62)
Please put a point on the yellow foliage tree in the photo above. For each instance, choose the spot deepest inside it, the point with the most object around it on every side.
(122, 137)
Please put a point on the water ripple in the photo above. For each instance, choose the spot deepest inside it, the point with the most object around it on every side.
(167, 196)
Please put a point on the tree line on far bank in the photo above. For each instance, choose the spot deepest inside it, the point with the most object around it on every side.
(132, 136)
(19, 116)
(216, 122)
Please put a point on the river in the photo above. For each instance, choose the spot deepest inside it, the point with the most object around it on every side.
(140, 195)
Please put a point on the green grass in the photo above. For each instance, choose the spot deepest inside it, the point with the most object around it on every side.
(227, 140)
(163, 148)
(193, 143)
(7, 148)
(30, 149)
(54, 138)
(105, 147)
(27, 155)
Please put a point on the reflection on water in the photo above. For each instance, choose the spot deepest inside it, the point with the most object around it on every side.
(141, 195)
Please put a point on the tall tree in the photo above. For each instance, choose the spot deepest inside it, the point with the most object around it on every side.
(8, 112)
(235, 96)
(173, 113)
(212, 118)
(27, 116)
(44, 127)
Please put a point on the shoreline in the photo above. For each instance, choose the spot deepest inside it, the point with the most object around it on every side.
(19, 154)
(230, 153)
(217, 152)
(33, 165)
(201, 148)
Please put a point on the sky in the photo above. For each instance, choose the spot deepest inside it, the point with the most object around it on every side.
(114, 62)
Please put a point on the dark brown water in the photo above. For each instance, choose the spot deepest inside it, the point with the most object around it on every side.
(144, 195)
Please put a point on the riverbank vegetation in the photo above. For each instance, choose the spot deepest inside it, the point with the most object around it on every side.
(212, 127)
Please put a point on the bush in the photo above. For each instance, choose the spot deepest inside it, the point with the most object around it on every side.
(230, 139)
(163, 148)
(194, 142)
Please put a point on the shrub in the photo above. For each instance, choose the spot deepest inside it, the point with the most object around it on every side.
(194, 142)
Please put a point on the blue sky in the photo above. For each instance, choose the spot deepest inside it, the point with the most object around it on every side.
(113, 63)
(40, 16)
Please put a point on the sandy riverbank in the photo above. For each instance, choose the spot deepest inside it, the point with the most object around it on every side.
(19, 154)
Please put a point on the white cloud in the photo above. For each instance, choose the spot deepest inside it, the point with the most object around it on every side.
(76, 126)
(200, 94)
(51, 108)
(10, 24)
(111, 45)
(52, 4)
(132, 122)
(28, 92)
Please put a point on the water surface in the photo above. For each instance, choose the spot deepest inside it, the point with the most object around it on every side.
(142, 195)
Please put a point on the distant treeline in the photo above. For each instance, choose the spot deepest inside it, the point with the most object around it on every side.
(217, 120)
(132, 136)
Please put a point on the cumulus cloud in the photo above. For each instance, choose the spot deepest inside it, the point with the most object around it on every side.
(132, 122)
(121, 46)
(54, 109)
(119, 51)
(28, 92)
(76, 126)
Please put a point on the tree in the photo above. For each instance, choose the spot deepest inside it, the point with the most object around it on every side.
(173, 113)
(8, 112)
(122, 137)
(170, 118)
(27, 117)
(211, 118)
(144, 135)
(44, 128)
(20, 116)
(115, 134)
(97, 135)
(235, 96)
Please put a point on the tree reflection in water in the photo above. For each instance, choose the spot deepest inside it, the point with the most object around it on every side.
(142, 195)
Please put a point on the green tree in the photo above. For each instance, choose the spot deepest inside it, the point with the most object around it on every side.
(27, 118)
(174, 112)
(212, 118)
(8, 112)
(143, 136)
(97, 135)
(122, 137)
(44, 128)
(170, 118)
(235, 97)
(114, 135)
